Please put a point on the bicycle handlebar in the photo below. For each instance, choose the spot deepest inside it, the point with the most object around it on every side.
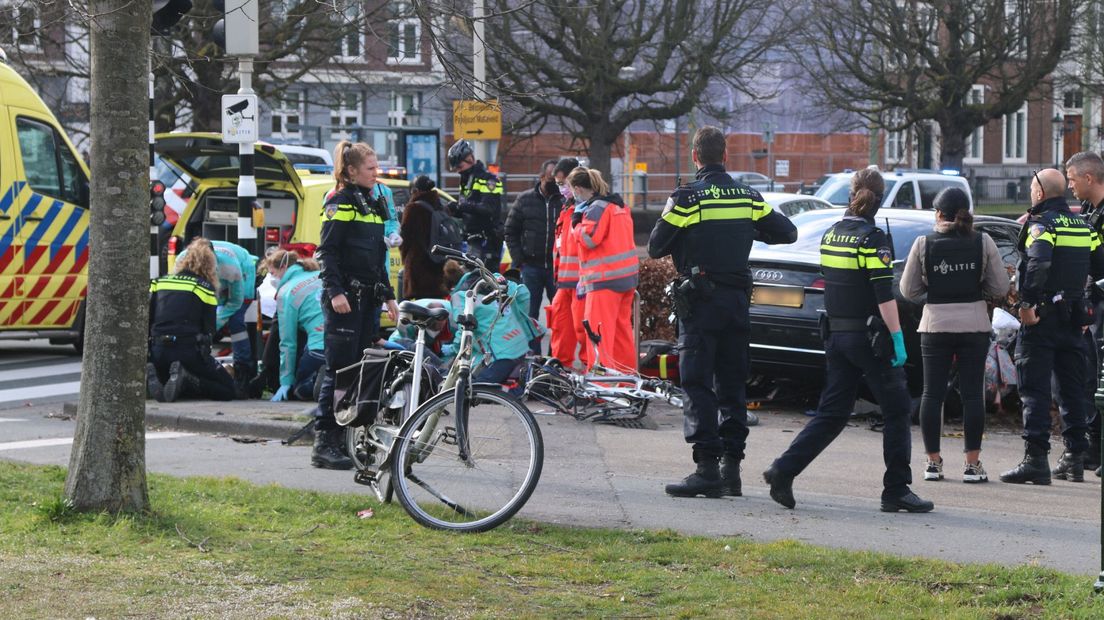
(487, 276)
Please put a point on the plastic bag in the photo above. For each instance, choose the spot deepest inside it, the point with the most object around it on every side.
(1000, 374)
(1005, 326)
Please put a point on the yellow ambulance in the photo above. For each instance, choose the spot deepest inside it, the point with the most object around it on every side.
(288, 205)
(43, 220)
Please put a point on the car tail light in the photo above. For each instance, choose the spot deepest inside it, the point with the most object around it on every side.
(817, 284)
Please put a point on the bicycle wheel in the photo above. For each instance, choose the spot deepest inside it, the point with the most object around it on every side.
(552, 390)
(441, 490)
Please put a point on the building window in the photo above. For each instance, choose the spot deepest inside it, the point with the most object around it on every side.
(1015, 136)
(896, 146)
(1073, 101)
(287, 112)
(20, 27)
(404, 36)
(975, 142)
(351, 41)
(405, 109)
(345, 115)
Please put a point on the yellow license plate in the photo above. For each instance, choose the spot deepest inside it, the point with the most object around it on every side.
(785, 296)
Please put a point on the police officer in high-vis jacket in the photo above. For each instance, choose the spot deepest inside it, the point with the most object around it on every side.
(863, 340)
(707, 227)
(480, 204)
(354, 277)
(1061, 250)
(182, 321)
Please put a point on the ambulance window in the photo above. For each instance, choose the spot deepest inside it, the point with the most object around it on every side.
(50, 166)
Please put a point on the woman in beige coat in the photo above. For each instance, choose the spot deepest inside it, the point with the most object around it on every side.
(954, 271)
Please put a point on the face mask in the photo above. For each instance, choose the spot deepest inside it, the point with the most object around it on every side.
(565, 191)
(580, 198)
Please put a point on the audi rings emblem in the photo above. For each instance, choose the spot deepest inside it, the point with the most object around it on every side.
(766, 275)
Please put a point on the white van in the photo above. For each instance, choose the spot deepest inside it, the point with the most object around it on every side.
(904, 189)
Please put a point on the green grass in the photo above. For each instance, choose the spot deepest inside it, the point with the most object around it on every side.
(226, 548)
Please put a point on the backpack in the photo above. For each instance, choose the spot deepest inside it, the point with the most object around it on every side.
(444, 231)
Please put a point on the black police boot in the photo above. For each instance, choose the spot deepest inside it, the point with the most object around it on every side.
(909, 502)
(730, 476)
(706, 480)
(154, 389)
(243, 377)
(1071, 466)
(318, 379)
(328, 453)
(1092, 455)
(180, 381)
(781, 487)
(1033, 468)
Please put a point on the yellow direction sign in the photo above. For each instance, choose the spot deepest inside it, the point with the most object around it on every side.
(476, 120)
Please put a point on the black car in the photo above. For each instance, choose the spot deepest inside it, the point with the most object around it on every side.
(788, 292)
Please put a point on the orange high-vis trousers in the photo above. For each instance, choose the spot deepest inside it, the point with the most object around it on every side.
(565, 319)
(611, 312)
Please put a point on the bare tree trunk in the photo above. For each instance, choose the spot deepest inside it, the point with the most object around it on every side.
(599, 153)
(107, 467)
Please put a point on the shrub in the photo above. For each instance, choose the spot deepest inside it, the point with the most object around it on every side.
(655, 303)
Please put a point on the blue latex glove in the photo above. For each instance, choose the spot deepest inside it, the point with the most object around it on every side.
(899, 354)
(281, 394)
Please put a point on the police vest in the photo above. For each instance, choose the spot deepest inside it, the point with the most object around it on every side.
(857, 266)
(179, 305)
(953, 265)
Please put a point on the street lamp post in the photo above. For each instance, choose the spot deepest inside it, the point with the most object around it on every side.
(1059, 131)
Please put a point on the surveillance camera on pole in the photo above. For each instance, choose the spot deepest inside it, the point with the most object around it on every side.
(237, 34)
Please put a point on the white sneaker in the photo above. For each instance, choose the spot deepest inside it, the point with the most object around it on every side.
(975, 473)
(934, 470)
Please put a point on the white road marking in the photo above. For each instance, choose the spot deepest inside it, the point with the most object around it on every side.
(11, 420)
(39, 391)
(40, 371)
(64, 441)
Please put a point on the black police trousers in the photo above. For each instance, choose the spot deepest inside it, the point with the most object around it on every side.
(850, 360)
(346, 337)
(713, 366)
(1092, 375)
(214, 382)
(1053, 346)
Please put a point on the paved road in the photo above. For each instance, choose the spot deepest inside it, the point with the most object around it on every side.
(37, 372)
(607, 476)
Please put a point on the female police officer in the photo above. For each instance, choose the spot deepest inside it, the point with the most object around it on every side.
(354, 277)
(857, 263)
(182, 320)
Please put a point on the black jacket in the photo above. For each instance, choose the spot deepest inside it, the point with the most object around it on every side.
(710, 224)
(182, 305)
(352, 246)
(531, 227)
(1061, 251)
(480, 204)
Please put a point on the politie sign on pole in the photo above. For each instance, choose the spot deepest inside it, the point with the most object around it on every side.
(239, 119)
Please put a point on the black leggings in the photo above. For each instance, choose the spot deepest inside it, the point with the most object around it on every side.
(940, 350)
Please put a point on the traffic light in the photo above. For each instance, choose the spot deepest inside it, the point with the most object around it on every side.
(157, 203)
(236, 31)
(166, 13)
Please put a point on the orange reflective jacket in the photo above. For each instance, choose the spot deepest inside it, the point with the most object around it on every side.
(565, 253)
(607, 251)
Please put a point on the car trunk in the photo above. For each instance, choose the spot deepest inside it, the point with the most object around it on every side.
(786, 303)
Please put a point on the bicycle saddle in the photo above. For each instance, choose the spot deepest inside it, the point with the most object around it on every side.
(412, 313)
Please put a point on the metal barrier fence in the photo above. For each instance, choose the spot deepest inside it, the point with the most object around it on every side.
(640, 191)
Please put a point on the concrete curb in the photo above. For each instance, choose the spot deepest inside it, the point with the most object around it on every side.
(216, 423)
